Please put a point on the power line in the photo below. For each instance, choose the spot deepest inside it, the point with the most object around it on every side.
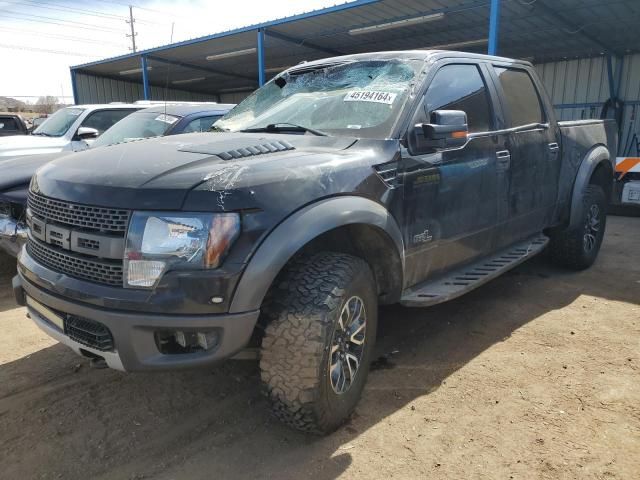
(61, 8)
(46, 50)
(68, 23)
(59, 36)
(93, 13)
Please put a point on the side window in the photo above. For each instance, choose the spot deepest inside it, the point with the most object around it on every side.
(102, 120)
(461, 87)
(521, 96)
(202, 124)
(8, 125)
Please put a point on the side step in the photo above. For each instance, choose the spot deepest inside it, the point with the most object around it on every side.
(473, 275)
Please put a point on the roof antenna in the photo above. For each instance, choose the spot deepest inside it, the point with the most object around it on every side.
(166, 84)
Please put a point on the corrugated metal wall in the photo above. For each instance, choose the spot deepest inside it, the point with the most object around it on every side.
(94, 89)
(579, 88)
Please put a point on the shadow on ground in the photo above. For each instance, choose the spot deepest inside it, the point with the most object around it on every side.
(59, 418)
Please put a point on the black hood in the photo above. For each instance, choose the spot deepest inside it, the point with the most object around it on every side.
(158, 173)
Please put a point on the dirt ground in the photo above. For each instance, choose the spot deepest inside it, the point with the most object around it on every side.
(535, 375)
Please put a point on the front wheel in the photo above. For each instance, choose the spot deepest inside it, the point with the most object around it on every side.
(318, 342)
(578, 248)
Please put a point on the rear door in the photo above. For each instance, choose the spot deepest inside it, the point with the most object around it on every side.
(533, 148)
(451, 196)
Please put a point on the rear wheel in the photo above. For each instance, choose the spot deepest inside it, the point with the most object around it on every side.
(322, 319)
(578, 248)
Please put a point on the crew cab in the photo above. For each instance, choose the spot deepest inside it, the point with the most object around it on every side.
(340, 185)
(70, 129)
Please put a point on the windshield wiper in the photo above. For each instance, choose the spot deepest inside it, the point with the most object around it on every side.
(42, 133)
(284, 126)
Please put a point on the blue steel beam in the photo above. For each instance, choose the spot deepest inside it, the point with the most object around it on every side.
(198, 67)
(302, 43)
(494, 27)
(74, 87)
(261, 71)
(145, 78)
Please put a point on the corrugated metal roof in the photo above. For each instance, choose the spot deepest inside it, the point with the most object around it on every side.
(539, 30)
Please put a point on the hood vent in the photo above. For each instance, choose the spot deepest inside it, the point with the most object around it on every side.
(252, 151)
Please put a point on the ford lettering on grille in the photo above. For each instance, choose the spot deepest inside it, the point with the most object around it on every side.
(81, 241)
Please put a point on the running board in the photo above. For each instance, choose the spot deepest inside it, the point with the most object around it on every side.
(471, 276)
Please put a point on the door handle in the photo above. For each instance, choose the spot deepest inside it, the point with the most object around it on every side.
(554, 147)
(504, 159)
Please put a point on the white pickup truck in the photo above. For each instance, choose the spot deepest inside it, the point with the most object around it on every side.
(69, 129)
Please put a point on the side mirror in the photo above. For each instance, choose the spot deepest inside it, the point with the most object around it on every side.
(86, 133)
(447, 129)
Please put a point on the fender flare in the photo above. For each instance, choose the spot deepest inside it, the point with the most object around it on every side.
(299, 229)
(596, 156)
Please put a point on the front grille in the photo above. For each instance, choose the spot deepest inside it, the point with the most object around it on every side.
(79, 266)
(96, 218)
(88, 332)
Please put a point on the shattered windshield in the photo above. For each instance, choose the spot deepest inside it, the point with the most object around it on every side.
(136, 126)
(357, 98)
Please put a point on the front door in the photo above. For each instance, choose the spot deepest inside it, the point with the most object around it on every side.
(451, 196)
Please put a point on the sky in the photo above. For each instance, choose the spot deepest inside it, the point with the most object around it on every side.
(41, 39)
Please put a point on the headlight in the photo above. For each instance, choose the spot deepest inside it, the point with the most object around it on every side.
(161, 241)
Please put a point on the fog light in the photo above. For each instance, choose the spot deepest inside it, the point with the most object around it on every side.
(144, 273)
(178, 341)
(207, 340)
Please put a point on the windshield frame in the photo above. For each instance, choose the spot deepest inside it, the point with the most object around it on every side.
(388, 129)
(40, 129)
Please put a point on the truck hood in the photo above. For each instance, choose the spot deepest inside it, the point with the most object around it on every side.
(158, 173)
(30, 145)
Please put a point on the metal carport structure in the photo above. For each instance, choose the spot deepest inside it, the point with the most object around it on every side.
(586, 50)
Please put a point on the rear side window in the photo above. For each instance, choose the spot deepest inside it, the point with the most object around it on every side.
(8, 124)
(202, 124)
(103, 119)
(521, 96)
(461, 87)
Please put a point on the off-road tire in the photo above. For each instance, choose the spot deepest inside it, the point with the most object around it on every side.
(302, 315)
(567, 248)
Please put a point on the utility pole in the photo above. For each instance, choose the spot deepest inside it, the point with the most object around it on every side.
(131, 21)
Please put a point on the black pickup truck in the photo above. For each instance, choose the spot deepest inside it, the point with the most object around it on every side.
(340, 185)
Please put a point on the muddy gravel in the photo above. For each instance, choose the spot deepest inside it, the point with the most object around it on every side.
(534, 375)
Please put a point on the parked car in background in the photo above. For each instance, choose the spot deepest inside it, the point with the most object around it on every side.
(12, 125)
(15, 173)
(36, 122)
(69, 129)
(340, 185)
(159, 120)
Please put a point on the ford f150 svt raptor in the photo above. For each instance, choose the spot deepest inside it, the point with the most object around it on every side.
(340, 185)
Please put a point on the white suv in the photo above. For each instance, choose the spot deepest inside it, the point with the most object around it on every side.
(69, 129)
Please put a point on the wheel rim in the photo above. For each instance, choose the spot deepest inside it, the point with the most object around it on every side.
(347, 345)
(591, 228)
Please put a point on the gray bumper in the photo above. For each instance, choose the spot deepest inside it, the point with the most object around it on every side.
(13, 235)
(133, 334)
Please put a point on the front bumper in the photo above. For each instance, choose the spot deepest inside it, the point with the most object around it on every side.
(13, 235)
(134, 341)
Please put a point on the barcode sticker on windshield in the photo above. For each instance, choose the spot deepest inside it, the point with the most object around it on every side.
(370, 96)
(166, 119)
